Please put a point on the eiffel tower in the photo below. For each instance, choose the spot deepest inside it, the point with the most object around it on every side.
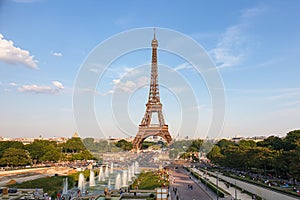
(153, 123)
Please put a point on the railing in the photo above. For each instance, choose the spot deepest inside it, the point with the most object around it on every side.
(154, 125)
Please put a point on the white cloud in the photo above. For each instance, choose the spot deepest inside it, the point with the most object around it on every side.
(94, 70)
(183, 66)
(116, 81)
(125, 79)
(15, 55)
(42, 89)
(201, 107)
(36, 89)
(232, 48)
(57, 84)
(229, 51)
(57, 54)
(128, 86)
(89, 90)
(252, 12)
(285, 94)
(13, 84)
(123, 71)
(179, 89)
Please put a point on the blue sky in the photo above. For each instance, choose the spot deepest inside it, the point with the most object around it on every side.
(254, 44)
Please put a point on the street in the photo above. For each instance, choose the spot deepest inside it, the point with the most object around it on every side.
(181, 183)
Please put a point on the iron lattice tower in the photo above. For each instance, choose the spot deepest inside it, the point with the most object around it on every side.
(153, 123)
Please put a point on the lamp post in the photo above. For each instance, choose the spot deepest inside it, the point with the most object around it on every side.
(217, 186)
(206, 179)
(235, 192)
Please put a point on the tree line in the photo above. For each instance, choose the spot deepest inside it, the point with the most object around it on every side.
(103, 145)
(189, 149)
(273, 155)
(14, 153)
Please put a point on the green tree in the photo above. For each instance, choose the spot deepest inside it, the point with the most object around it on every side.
(261, 158)
(195, 146)
(215, 154)
(181, 144)
(52, 153)
(90, 144)
(186, 155)
(207, 146)
(43, 150)
(15, 157)
(125, 145)
(89, 141)
(99, 146)
(83, 155)
(247, 143)
(223, 144)
(73, 145)
(235, 157)
(10, 144)
(174, 153)
(272, 155)
(291, 139)
(272, 142)
(104, 146)
(291, 161)
(147, 144)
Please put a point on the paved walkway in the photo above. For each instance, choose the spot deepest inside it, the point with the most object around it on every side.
(30, 174)
(265, 193)
(22, 179)
(230, 190)
(181, 183)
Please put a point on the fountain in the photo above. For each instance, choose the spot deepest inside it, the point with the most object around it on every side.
(136, 167)
(132, 169)
(81, 183)
(106, 171)
(124, 179)
(108, 184)
(65, 185)
(118, 182)
(92, 178)
(101, 175)
(111, 168)
(129, 174)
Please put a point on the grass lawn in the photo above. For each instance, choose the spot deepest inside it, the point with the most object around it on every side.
(151, 180)
(51, 185)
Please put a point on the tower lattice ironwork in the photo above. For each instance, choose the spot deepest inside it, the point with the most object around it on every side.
(153, 123)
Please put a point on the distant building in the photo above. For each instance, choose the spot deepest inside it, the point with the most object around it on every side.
(75, 135)
(257, 138)
(237, 139)
(154, 138)
(58, 139)
(254, 138)
(26, 141)
(113, 140)
(23, 140)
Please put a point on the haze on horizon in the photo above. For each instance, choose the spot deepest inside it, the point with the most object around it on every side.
(254, 44)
